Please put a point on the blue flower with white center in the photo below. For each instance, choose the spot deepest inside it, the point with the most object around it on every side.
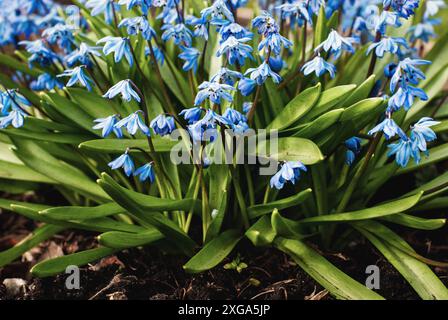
(39, 53)
(386, 18)
(133, 123)
(119, 46)
(145, 172)
(180, 34)
(192, 114)
(191, 57)
(290, 171)
(102, 7)
(138, 25)
(108, 125)
(163, 125)
(200, 26)
(216, 92)
(124, 161)
(158, 54)
(407, 70)
(389, 128)
(246, 86)
(123, 88)
(265, 23)
(169, 14)
(353, 146)
(226, 76)
(61, 34)
(260, 74)
(335, 44)
(274, 42)
(433, 7)
(144, 5)
(233, 29)
(82, 55)
(218, 11)
(404, 97)
(421, 133)
(14, 118)
(46, 82)
(77, 75)
(387, 44)
(233, 116)
(319, 66)
(236, 50)
(12, 100)
(297, 12)
(423, 31)
(405, 8)
(205, 129)
(403, 151)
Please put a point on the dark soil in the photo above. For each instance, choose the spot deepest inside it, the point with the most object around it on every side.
(147, 274)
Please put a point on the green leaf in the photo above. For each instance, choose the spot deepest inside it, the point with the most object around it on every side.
(317, 126)
(41, 161)
(48, 136)
(386, 209)
(136, 204)
(329, 99)
(417, 273)
(83, 213)
(360, 93)
(321, 29)
(213, 252)
(262, 209)
(176, 82)
(120, 145)
(216, 224)
(291, 149)
(287, 227)
(93, 104)
(6, 204)
(415, 222)
(34, 239)
(295, 109)
(261, 232)
(14, 171)
(124, 240)
(58, 265)
(16, 65)
(331, 278)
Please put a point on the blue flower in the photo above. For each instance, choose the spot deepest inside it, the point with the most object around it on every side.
(61, 34)
(217, 11)
(247, 106)
(226, 76)
(263, 72)
(163, 125)
(138, 25)
(236, 50)
(200, 26)
(15, 118)
(387, 44)
(124, 161)
(354, 147)
(143, 4)
(335, 44)
(123, 88)
(246, 86)
(265, 23)
(403, 151)
(108, 125)
(81, 55)
(290, 171)
(297, 12)
(233, 116)
(405, 8)
(12, 100)
(191, 56)
(273, 42)
(390, 129)
(145, 172)
(233, 29)
(386, 18)
(179, 33)
(406, 70)
(319, 66)
(119, 46)
(432, 7)
(423, 31)
(36, 6)
(389, 69)
(315, 5)
(404, 97)
(102, 6)
(39, 53)
(46, 82)
(77, 76)
(276, 63)
(216, 92)
(192, 114)
(205, 129)
(421, 133)
(133, 123)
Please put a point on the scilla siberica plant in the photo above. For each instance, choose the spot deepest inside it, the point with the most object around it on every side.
(354, 90)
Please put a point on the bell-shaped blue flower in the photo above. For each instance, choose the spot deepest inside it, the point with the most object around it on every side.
(247, 86)
(14, 118)
(138, 25)
(82, 55)
(389, 128)
(133, 123)
(102, 6)
(179, 33)
(77, 75)
(217, 11)
(192, 114)
(421, 133)
(404, 97)
(124, 161)
(145, 172)
(163, 125)
(335, 44)
(216, 92)
(46, 82)
(403, 150)
(319, 66)
(123, 88)
(290, 171)
(236, 50)
(274, 42)
(119, 46)
(191, 56)
(387, 44)
(263, 72)
(226, 76)
(108, 125)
